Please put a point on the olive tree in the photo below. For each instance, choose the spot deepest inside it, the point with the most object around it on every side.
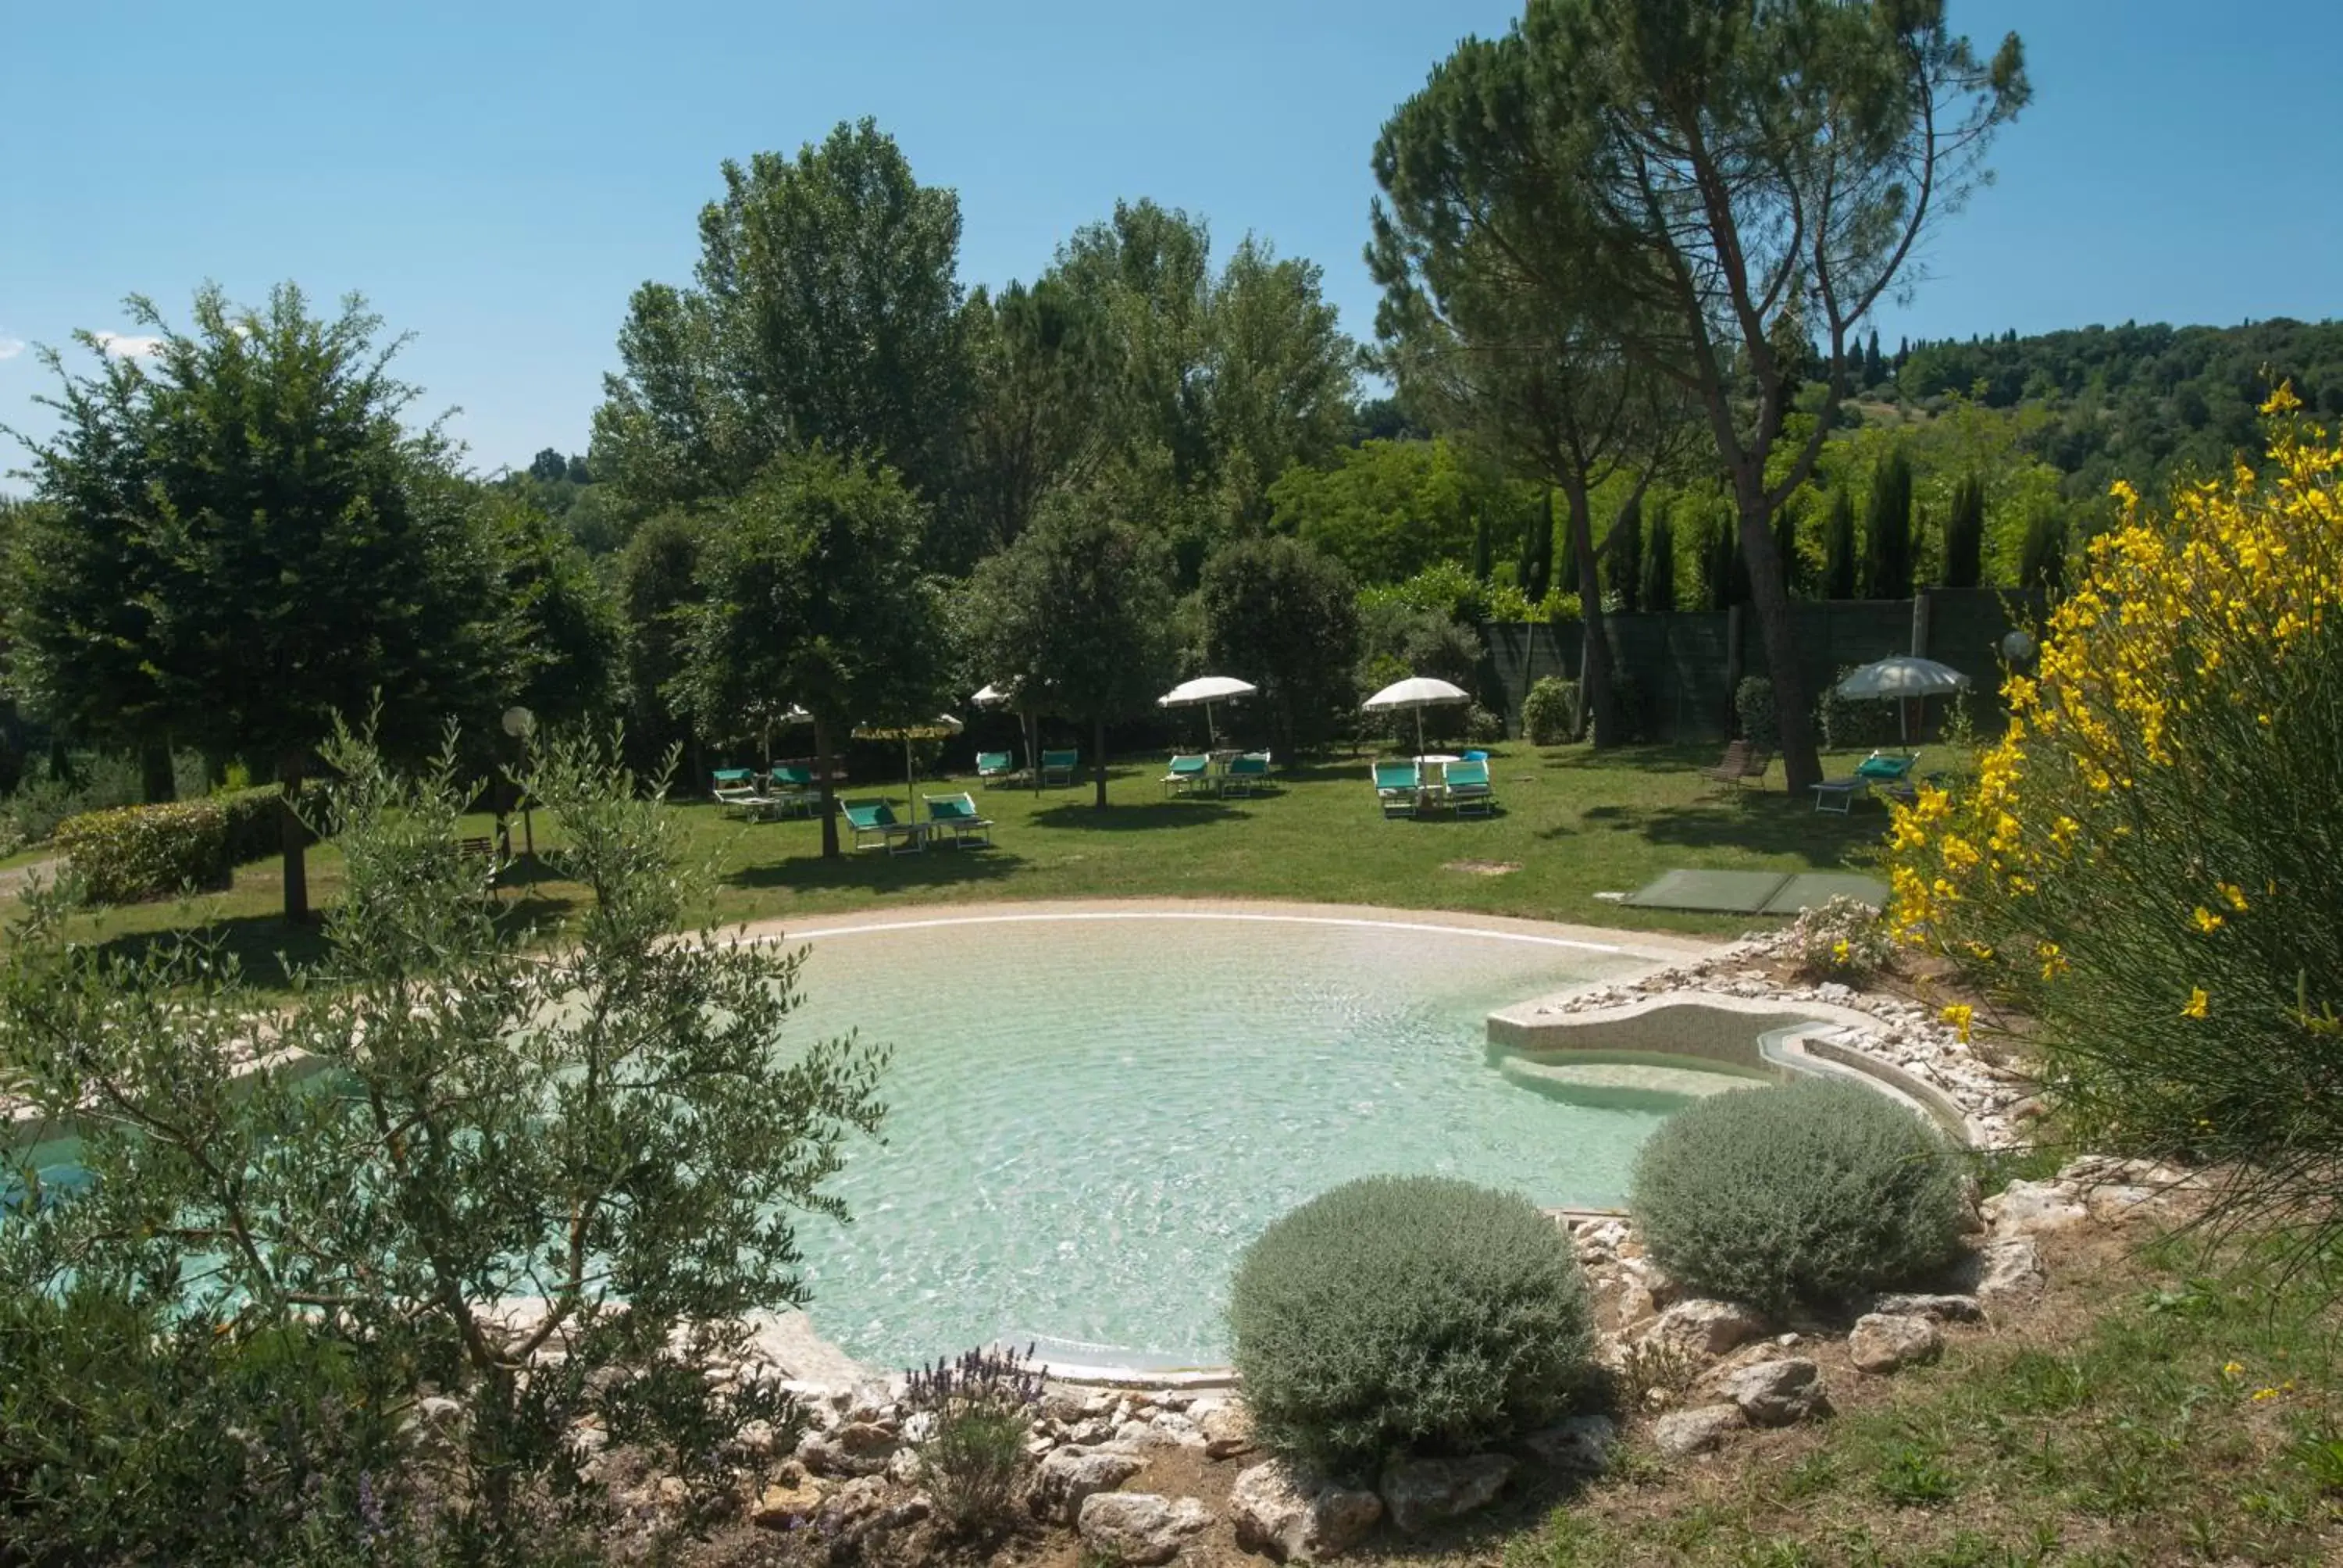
(542, 1182)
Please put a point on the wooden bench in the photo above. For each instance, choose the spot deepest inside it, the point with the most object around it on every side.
(1742, 760)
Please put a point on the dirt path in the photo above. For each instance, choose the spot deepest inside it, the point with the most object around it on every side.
(13, 880)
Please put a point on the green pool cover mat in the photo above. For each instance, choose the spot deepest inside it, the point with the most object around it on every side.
(1754, 892)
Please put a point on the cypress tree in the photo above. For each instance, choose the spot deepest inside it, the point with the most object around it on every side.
(1965, 534)
(1874, 364)
(1480, 542)
(1624, 568)
(2042, 551)
(1723, 577)
(1887, 530)
(1660, 566)
(1838, 547)
(1537, 551)
(1786, 544)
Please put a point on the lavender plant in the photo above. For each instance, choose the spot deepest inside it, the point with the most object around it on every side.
(972, 1459)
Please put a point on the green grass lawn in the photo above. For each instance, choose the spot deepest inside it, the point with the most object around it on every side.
(1570, 824)
(2160, 1411)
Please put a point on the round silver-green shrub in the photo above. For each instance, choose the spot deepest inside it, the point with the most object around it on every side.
(1798, 1195)
(1406, 1314)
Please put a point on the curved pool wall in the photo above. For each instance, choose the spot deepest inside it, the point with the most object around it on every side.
(1753, 1040)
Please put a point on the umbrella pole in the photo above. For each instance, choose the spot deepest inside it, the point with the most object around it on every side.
(1419, 732)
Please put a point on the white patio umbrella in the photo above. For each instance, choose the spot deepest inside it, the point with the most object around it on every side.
(1901, 677)
(994, 696)
(1207, 690)
(936, 729)
(1417, 692)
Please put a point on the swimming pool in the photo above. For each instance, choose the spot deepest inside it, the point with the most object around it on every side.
(1089, 1116)
(1090, 1113)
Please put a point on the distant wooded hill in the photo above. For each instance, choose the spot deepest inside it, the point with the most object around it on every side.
(2144, 403)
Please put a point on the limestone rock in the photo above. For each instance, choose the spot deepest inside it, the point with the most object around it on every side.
(1092, 1433)
(1940, 1308)
(1069, 1475)
(1777, 1393)
(852, 1449)
(1582, 1445)
(1889, 1342)
(1421, 1491)
(2032, 1208)
(780, 1506)
(1296, 1518)
(1140, 1527)
(1682, 1432)
(1226, 1427)
(1703, 1328)
(2003, 1271)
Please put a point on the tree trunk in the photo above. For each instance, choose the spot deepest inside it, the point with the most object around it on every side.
(295, 842)
(825, 788)
(156, 783)
(1033, 748)
(1595, 659)
(1098, 737)
(1802, 765)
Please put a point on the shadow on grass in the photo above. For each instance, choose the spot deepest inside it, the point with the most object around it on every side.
(267, 951)
(1125, 818)
(1649, 759)
(873, 870)
(1756, 824)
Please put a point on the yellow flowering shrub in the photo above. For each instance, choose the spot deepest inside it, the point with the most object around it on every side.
(2150, 861)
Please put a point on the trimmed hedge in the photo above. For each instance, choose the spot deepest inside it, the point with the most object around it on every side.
(1406, 1313)
(134, 853)
(1800, 1195)
(255, 824)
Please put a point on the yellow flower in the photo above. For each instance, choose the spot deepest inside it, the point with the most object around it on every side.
(1959, 1016)
(2262, 1394)
(2231, 1368)
(2207, 920)
(1839, 950)
(2197, 1004)
(2234, 893)
(2053, 959)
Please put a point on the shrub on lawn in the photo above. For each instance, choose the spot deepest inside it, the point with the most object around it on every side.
(2146, 863)
(1797, 1195)
(1550, 711)
(1752, 703)
(134, 853)
(1406, 1313)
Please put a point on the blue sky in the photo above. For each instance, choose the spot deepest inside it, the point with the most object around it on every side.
(497, 176)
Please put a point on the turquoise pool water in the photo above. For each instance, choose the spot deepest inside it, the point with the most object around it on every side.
(1090, 1118)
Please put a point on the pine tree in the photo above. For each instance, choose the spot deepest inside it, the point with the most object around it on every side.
(1965, 534)
(1838, 547)
(1660, 566)
(1887, 530)
(1624, 567)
